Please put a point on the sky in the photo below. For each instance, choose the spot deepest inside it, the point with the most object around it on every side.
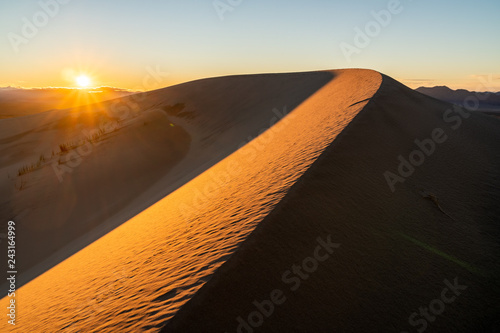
(149, 44)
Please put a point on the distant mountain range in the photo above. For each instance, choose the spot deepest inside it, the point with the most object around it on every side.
(488, 101)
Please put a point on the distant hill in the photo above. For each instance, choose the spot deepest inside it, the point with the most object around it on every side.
(489, 101)
(16, 102)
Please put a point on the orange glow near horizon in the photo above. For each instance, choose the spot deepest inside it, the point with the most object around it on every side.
(87, 77)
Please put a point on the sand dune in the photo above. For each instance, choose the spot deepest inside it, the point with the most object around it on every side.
(140, 149)
(138, 275)
(431, 244)
(233, 195)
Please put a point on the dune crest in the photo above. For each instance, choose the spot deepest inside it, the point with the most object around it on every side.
(84, 171)
(343, 252)
(173, 247)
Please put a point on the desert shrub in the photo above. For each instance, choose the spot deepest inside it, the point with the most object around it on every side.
(64, 147)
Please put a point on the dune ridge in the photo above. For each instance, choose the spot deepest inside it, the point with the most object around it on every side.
(391, 253)
(138, 275)
(150, 144)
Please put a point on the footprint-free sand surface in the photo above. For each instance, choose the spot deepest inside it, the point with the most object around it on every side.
(343, 252)
(194, 203)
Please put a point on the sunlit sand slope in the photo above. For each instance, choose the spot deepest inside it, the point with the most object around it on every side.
(367, 258)
(69, 176)
(137, 276)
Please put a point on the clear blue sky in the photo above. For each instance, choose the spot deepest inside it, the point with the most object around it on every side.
(115, 42)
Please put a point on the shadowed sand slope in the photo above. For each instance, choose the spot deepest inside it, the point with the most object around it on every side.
(69, 176)
(137, 276)
(343, 252)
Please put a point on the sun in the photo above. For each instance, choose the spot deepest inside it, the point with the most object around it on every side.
(83, 81)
